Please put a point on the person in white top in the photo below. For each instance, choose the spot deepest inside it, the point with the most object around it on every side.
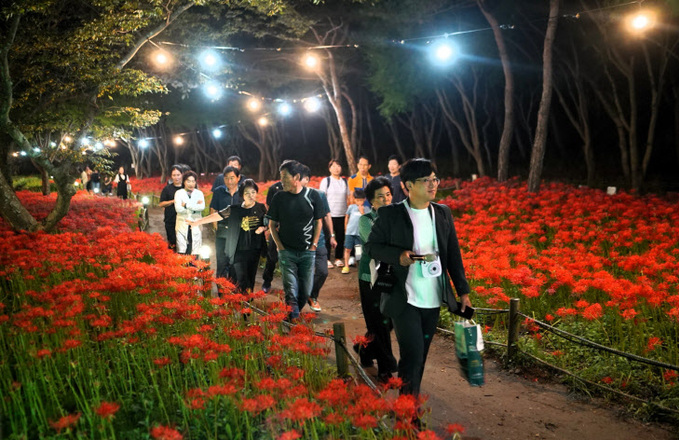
(189, 203)
(336, 189)
(418, 239)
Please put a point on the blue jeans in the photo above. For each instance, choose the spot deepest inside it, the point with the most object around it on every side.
(297, 268)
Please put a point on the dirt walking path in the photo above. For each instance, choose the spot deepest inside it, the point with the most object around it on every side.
(508, 407)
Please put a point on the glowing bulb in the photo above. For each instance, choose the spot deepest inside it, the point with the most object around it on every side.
(216, 133)
(285, 109)
(311, 61)
(641, 21)
(145, 200)
(312, 105)
(444, 52)
(36, 150)
(210, 60)
(85, 141)
(254, 104)
(213, 90)
(15, 154)
(98, 146)
(161, 58)
(178, 140)
(263, 122)
(143, 143)
(64, 147)
(53, 144)
(23, 153)
(68, 138)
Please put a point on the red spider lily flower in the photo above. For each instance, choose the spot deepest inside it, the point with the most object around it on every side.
(557, 353)
(549, 317)
(364, 421)
(394, 383)
(454, 428)
(653, 343)
(334, 418)
(405, 406)
(595, 311)
(362, 341)
(107, 409)
(197, 403)
(607, 380)
(222, 390)
(65, 422)
(289, 435)
(43, 353)
(165, 433)
(629, 314)
(670, 376)
(427, 435)
(163, 361)
(300, 410)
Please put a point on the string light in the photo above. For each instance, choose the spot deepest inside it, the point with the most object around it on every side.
(311, 61)
(143, 143)
(178, 140)
(641, 21)
(263, 121)
(284, 109)
(254, 104)
(162, 58)
(213, 90)
(444, 52)
(217, 133)
(210, 60)
(68, 138)
(85, 141)
(312, 105)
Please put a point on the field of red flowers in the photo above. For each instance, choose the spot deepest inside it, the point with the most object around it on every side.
(602, 267)
(105, 333)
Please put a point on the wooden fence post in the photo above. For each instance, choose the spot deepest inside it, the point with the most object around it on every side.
(513, 334)
(339, 336)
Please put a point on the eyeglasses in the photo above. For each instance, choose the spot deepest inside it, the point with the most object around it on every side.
(429, 181)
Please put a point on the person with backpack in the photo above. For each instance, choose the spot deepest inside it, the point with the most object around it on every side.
(336, 189)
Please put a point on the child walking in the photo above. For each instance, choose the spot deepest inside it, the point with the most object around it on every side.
(351, 237)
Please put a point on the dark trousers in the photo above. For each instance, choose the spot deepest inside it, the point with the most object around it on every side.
(320, 271)
(379, 329)
(223, 263)
(171, 235)
(271, 260)
(415, 329)
(338, 229)
(244, 269)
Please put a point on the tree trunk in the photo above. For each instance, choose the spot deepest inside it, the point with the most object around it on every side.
(540, 144)
(508, 125)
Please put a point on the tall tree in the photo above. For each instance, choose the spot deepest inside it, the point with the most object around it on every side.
(508, 122)
(540, 143)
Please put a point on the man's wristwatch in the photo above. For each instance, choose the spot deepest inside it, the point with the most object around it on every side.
(332, 235)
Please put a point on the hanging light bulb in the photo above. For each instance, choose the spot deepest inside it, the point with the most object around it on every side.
(311, 61)
(213, 90)
(178, 140)
(263, 121)
(312, 105)
(217, 133)
(285, 109)
(143, 143)
(254, 104)
(209, 60)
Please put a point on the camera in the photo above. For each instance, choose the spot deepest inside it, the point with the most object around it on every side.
(431, 269)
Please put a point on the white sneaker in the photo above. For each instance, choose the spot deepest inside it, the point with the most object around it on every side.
(352, 261)
(330, 265)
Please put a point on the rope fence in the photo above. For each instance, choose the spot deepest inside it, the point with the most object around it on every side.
(512, 338)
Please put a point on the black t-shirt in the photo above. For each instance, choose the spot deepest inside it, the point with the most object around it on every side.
(273, 190)
(247, 220)
(295, 215)
(166, 195)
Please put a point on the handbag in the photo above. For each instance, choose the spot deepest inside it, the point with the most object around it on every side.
(385, 278)
(468, 347)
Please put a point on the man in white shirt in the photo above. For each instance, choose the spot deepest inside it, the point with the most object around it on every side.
(418, 239)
